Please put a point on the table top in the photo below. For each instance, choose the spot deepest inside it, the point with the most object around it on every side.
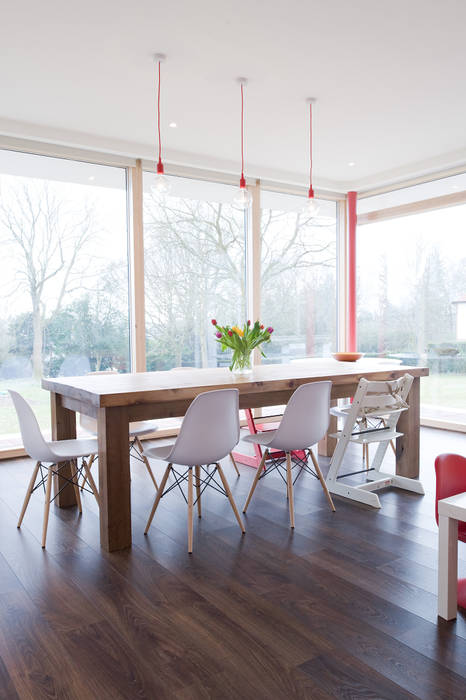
(453, 507)
(146, 387)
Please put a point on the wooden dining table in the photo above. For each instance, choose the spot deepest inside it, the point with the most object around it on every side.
(115, 400)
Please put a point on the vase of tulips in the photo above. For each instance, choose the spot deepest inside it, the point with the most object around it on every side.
(242, 341)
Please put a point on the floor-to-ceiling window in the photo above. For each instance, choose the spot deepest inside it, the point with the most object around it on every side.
(298, 277)
(195, 263)
(412, 296)
(63, 277)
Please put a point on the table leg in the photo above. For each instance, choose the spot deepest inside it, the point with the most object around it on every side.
(63, 428)
(447, 567)
(114, 478)
(326, 446)
(407, 447)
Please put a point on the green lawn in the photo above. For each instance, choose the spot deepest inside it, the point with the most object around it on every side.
(448, 390)
(37, 397)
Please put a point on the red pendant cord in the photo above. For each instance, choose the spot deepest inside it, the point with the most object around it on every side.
(159, 164)
(242, 182)
(311, 191)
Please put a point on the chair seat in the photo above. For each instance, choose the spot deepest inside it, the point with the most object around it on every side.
(341, 412)
(261, 438)
(142, 427)
(69, 449)
(159, 452)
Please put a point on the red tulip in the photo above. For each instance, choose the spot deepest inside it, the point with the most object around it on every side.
(262, 327)
(249, 323)
(214, 322)
(230, 333)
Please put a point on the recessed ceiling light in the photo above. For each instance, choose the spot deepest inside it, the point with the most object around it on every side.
(173, 125)
(91, 178)
(351, 163)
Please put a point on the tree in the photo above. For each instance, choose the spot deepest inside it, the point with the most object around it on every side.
(195, 270)
(47, 239)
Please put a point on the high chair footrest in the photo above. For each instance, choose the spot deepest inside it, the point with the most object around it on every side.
(369, 437)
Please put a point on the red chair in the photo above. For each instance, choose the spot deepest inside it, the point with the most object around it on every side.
(254, 461)
(450, 472)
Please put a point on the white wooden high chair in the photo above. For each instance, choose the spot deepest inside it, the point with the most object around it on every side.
(372, 417)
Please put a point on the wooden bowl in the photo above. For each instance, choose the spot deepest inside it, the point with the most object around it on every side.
(347, 356)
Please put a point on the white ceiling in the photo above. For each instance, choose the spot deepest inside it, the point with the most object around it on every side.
(389, 78)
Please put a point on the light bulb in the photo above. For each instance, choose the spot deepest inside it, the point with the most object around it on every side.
(243, 197)
(311, 208)
(161, 184)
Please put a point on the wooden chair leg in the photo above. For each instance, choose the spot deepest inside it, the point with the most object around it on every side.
(226, 486)
(48, 492)
(146, 462)
(198, 490)
(85, 477)
(158, 497)
(28, 493)
(322, 480)
(190, 510)
(74, 477)
(90, 479)
(256, 479)
(289, 483)
(234, 463)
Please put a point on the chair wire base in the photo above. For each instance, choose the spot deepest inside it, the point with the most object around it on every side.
(203, 482)
(279, 464)
(57, 472)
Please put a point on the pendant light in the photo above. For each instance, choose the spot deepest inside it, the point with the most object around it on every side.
(242, 198)
(162, 183)
(311, 208)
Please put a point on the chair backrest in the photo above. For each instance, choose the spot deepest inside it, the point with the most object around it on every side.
(450, 479)
(306, 417)
(33, 440)
(379, 399)
(210, 429)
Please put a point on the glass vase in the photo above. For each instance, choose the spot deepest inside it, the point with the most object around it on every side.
(241, 365)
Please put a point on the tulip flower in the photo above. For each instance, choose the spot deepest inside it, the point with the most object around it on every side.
(262, 327)
(214, 322)
(218, 334)
(249, 323)
(230, 333)
(270, 329)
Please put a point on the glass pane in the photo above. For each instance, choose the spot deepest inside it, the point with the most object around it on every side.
(194, 244)
(412, 300)
(63, 277)
(298, 278)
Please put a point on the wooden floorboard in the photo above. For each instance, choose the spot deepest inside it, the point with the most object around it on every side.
(343, 607)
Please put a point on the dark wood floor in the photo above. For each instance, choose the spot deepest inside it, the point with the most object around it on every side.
(344, 607)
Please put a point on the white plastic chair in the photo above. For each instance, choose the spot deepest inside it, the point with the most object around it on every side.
(209, 431)
(185, 368)
(54, 454)
(305, 421)
(372, 418)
